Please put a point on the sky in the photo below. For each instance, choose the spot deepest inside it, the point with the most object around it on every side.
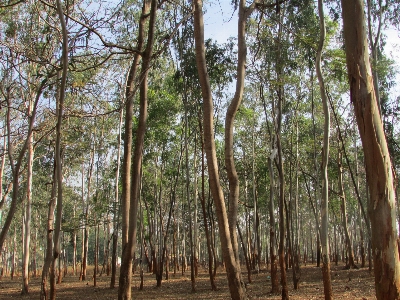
(220, 21)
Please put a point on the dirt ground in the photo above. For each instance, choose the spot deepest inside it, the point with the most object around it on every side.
(346, 284)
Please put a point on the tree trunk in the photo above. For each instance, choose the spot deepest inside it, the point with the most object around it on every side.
(272, 235)
(58, 159)
(246, 257)
(44, 294)
(203, 207)
(27, 217)
(348, 241)
(86, 206)
(116, 208)
(233, 271)
(382, 202)
(125, 278)
(325, 157)
(233, 107)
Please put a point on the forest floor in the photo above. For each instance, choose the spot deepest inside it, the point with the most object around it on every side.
(346, 284)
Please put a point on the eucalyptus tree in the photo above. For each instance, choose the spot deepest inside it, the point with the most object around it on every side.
(382, 202)
(124, 291)
(29, 60)
(325, 157)
(234, 280)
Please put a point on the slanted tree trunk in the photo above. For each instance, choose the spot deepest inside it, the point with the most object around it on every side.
(245, 253)
(16, 165)
(382, 201)
(203, 207)
(232, 268)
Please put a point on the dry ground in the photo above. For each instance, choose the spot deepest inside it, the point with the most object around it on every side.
(347, 284)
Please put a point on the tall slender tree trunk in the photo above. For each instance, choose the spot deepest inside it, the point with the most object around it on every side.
(203, 207)
(86, 206)
(116, 207)
(279, 158)
(233, 271)
(348, 241)
(58, 159)
(272, 234)
(27, 217)
(382, 201)
(44, 293)
(125, 278)
(233, 107)
(325, 157)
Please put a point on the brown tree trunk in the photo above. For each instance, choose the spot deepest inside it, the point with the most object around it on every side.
(233, 107)
(233, 271)
(44, 293)
(125, 278)
(382, 202)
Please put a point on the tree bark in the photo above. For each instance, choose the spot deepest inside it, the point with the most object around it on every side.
(379, 171)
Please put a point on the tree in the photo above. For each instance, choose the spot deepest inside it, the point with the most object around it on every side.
(382, 201)
(125, 278)
(325, 157)
(233, 272)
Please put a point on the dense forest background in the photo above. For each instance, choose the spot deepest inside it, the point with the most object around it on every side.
(82, 82)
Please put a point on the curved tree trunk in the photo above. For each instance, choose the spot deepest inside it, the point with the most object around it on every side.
(382, 201)
(233, 179)
(232, 269)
